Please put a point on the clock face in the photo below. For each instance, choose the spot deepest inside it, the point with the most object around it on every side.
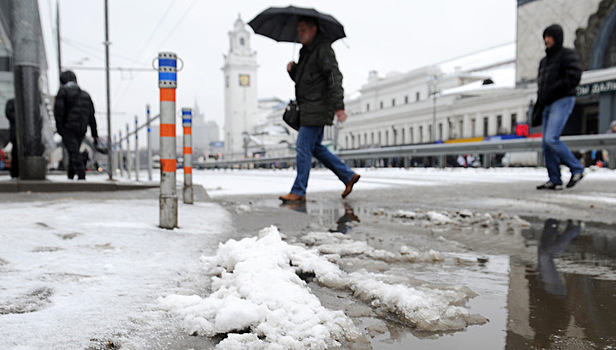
(244, 80)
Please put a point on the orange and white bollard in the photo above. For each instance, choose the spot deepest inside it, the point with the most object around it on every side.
(167, 82)
(188, 185)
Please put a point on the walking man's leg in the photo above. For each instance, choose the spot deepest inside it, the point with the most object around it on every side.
(556, 120)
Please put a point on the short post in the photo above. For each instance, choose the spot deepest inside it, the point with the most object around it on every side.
(188, 186)
(120, 153)
(167, 82)
(149, 139)
(128, 157)
(136, 149)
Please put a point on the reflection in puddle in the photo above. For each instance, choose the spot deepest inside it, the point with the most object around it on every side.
(560, 285)
(563, 310)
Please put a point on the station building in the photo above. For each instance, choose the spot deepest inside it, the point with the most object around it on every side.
(489, 93)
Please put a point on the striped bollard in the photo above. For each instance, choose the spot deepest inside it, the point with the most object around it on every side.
(188, 186)
(167, 82)
(136, 149)
(121, 153)
(128, 155)
(149, 139)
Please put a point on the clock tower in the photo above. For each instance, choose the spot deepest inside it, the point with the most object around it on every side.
(240, 83)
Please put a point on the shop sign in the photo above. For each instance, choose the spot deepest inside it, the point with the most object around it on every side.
(599, 88)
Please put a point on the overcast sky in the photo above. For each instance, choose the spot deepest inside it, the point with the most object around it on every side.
(386, 36)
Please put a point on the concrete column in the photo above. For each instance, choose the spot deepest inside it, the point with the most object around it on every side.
(26, 72)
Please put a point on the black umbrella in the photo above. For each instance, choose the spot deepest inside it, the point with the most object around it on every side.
(280, 23)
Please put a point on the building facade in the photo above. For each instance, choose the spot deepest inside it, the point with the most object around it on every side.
(488, 93)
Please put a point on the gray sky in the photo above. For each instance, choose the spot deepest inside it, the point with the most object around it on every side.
(385, 36)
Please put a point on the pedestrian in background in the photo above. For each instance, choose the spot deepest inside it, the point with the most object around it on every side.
(319, 94)
(612, 129)
(9, 111)
(74, 112)
(559, 75)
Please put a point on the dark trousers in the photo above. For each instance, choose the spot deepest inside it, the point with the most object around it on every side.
(76, 166)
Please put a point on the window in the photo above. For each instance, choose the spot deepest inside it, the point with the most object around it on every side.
(473, 127)
(5, 64)
(421, 134)
(440, 131)
(386, 137)
(417, 96)
(242, 42)
(393, 102)
(499, 124)
(461, 133)
(514, 121)
(411, 135)
(402, 136)
(406, 99)
(367, 107)
(485, 126)
(381, 104)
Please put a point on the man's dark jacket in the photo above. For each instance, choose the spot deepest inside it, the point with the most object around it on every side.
(559, 72)
(73, 109)
(318, 83)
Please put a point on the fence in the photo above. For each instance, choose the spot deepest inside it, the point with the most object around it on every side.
(487, 148)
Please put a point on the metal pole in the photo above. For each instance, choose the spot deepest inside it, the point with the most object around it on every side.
(121, 153)
(167, 82)
(59, 46)
(188, 186)
(128, 155)
(115, 152)
(147, 107)
(107, 43)
(136, 149)
(26, 73)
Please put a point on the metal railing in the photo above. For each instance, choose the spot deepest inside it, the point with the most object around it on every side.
(588, 142)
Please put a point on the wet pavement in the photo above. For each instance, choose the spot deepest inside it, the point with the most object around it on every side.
(542, 282)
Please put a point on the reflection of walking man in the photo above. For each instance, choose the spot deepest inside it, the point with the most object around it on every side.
(74, 112)
(9, 111)
(559, 75)
(319, 93)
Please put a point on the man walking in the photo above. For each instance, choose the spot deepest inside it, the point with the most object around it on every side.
(74, 112)
(319, 94)
(559, 75)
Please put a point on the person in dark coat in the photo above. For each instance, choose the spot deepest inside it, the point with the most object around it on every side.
(320, 96)
(559, 75)
(74, 112)
(9, 111)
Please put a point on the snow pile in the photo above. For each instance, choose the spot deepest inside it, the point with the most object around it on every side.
(260, 302)
(463, 218)
(336, 243)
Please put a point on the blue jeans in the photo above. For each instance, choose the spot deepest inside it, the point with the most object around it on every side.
(309, 144)
(555, 117)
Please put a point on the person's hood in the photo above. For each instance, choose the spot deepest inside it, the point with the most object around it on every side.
(612, 125)
(72, 91)
(67, 76)
(556, 32)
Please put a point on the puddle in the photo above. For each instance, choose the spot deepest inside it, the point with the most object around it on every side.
(547, 284)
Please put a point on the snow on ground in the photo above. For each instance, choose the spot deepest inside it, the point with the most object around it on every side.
(259, 301)
(229, 182)
(75, 270)
(72, 270)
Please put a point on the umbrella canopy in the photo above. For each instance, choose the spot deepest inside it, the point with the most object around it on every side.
(280, 23)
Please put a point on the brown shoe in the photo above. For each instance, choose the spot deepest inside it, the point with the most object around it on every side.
(349, 186)
(292, 197)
